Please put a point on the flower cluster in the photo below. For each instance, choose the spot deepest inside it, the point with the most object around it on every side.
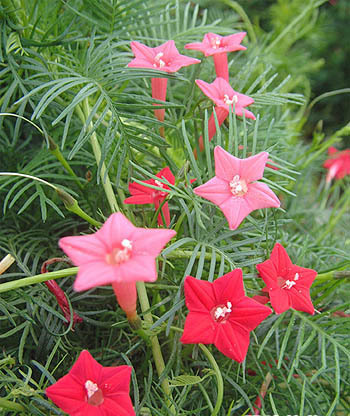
(121, 254)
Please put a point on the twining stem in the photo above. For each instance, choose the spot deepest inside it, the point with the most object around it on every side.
(219, 380)
(156, 350)
(97, 153)
(9, 405)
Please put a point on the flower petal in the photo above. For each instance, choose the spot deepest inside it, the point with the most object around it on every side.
(248, 313)
(229, 287)
(199, 328)
(235, 210)
(252, 168)
(199, 295)
(306, 276)
(300, 300)
(150, 242)
(268, 272)
(83, 249)
(226, 165)
(259, 195)
(94, 274)
(121, 405)
(281, 260)
(232, 340)
(280, 300)
(215, 190)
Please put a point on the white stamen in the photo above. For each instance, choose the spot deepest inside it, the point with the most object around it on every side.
(127, 244)
(159, 62)
(91, 388)
(296, 277)
(158, 183)
(221, 312)
(229, 101)
(215, 43)
(238, 186)
(289, 284)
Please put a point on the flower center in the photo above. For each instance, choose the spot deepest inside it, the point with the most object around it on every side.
(215, 43)
(229, 101)
(238, 186)
(161, 185)
(120, 254)
(221, 312)
(288, 284)
(158, 62)
(94, 394)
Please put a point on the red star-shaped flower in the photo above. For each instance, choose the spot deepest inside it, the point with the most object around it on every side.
(338, 164)
(144, 195)
(234, 188)
(89, 389)
(287, 284)
(221, 314)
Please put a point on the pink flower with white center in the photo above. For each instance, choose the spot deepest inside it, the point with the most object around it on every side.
(234, 188)
(119, 254)
(165, 58)
(217, 46)
(338, 164)
(225, 98)
(93, 390)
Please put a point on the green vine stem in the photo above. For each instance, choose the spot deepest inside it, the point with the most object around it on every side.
(38, 278)
(156, 350)
(107, 185)
(9, 405)
(218, 375)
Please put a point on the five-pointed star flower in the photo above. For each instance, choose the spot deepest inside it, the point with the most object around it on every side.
(89, 389)
(144, 195)
(287, 284)
(234, 188)
(165, 58)
(338, 164)
(119, 254)
(221, 314)
(224, 97)
(217, 46)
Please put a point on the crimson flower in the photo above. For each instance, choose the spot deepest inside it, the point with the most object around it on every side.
(119, 254)
(89, 389)
(234, 188)
(221, 314)
(217, 46)
(338, 164)
(144, 195)
(225, 98)
(287, 284)
(165, 58)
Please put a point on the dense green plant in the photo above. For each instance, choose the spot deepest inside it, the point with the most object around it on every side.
(67, 95)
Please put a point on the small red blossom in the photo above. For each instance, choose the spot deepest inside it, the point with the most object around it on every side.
(217, 46)
(93, 390)
(144, 195)
(287, 284)
(338, 164)
(221, 314)
(234, 188)
(119, 254)
(165, 58)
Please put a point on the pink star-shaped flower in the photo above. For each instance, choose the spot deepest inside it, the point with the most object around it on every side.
(287, 284)
(93, 390)
(165, 58)
(221, 314)
(224, 97)
(144, 195)
(218, 46)
(234, 188)
(338, 164)
(119, 254)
